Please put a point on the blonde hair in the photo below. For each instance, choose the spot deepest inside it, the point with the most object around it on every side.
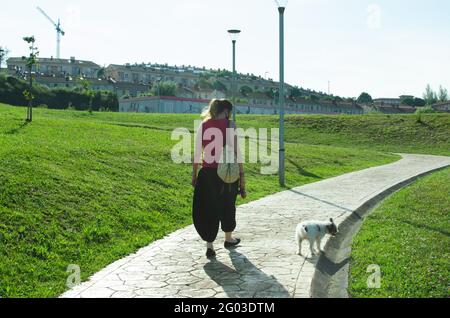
(215, 108)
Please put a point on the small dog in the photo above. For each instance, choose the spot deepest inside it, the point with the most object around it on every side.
(314, 231)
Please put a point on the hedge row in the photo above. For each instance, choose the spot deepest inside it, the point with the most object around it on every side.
(11, 92)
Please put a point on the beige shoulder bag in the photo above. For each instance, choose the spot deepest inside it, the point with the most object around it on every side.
(228, 171)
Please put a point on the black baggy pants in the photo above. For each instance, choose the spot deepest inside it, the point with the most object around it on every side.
(214, 202)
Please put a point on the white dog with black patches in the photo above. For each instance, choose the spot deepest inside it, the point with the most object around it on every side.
(314, 231)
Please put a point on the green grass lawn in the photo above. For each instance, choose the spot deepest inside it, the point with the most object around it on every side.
(408, 236)
(85, 189)
(429, 134)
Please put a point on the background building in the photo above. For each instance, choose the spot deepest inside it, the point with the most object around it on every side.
(392, 105)
(133, 83)
(51, 67)
(442, 107)
(386, 101)
(178, 105)
(63, 73)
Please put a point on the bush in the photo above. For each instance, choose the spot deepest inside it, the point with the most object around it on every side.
(374, 111)
(11, 92)
(425, 110)
(419, 118)
(164, 89)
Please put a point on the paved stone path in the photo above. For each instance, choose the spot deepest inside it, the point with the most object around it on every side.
(266, 265)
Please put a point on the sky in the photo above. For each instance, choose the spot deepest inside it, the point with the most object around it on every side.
(384, 47)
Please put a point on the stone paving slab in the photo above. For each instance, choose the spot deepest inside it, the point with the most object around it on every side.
(266, 265)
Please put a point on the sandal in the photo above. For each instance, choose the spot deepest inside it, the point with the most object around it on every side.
(232, 244)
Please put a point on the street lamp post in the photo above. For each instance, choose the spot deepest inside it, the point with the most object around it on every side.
(234, 34)
(281, 173)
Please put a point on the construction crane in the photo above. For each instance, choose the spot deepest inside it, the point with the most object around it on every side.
(59, 31)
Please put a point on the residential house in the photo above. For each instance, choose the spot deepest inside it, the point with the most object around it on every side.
(56, 67)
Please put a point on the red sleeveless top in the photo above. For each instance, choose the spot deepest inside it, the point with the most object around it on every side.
(211, 158)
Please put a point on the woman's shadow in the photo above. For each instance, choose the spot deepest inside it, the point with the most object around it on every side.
(245, 280)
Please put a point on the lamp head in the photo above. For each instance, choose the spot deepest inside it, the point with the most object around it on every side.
(281, 3)
(234, 34)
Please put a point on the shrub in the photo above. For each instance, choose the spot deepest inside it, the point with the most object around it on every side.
(11, 92)
(419, 117)
(164, 89)
(425, 110)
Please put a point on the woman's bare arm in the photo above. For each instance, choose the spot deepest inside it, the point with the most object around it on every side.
(238, 153)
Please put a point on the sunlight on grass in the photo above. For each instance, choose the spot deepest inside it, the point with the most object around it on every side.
(408, 236)
(88, 189)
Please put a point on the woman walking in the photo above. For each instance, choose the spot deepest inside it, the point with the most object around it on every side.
(214, 201)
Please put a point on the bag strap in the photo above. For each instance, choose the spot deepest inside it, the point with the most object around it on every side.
(226, 133)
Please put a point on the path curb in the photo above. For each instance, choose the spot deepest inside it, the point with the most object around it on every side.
(267, 265)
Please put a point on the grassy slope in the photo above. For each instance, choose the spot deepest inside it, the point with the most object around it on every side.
(408, 236)
(391, 133)
(85, 189)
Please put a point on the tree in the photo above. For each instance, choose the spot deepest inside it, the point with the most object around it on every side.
(203, 83)
(224, 73)
(164, 89)
(349, 100)
(246, 90)
(408, 101)
(419, 102)
(295, 93)
(443, 94)
(3, 55)
(86, 89)
(12, 88)
(429, 96)
(271, 93)
(364, 98)
(31, 61)
(218, 85)
(314, 98)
